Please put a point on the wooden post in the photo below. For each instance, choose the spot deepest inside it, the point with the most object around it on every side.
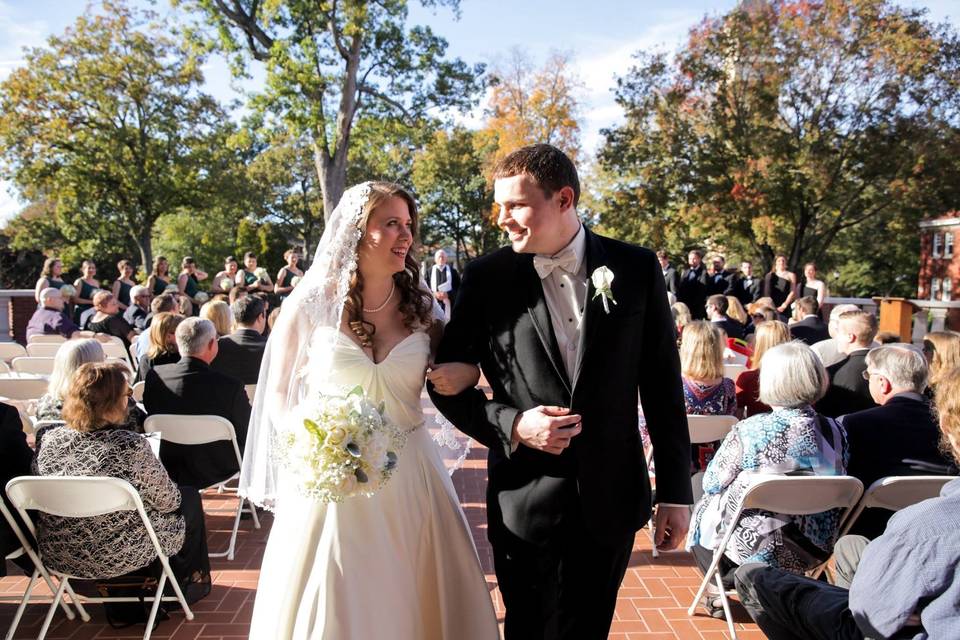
(896, 316)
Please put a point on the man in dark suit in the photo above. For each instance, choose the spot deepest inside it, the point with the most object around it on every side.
(565, 348)
(444, 281)
(241, 352)
(693, 285)
(810, 329)
(848, 391)
(744, 285)
(718, 281)
(190, 387)
(670, 276)
(716, 307)
(902, 428)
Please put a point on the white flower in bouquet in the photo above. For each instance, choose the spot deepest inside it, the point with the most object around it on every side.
(294, 281)
(201, 296)
(172, 288)
(340, 446)
(260, 272)
(226, 284)
(68, 291)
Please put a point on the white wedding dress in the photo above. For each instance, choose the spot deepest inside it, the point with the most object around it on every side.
(400, 565)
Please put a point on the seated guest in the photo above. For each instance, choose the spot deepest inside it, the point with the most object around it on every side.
(91, 443)
(808, 328)
(238, 291)
(904, 582)
(705, 391)
(768, 335)
(792, 439)
(107, 319)
(219, 313)
(165, 303)
(827, 349)
(760, 312)
(942, 350)
(887, 337)
(848, 391)
(736, 312)
(139, 307)
(50, 318)
(902, 427)
(15, 458)
(681, 318)
(163, 344)
(716, 309)
(240, 352)
(190, 387)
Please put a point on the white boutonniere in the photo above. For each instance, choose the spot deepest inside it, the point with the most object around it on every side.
(602, 280)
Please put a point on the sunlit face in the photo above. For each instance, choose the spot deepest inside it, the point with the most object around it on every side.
(55, 301)
(293, 259)
(387, 239)
(780, 263)
(694, 259)
(231, 267)
(111, 306)
(810, 272)
(250, 263)
(530, 218)
(56, 268)
(127, 272)
(746, 269)
(89, 270)
(664, 262)
(163, 266)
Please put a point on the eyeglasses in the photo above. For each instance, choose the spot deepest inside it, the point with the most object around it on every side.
(868, 374)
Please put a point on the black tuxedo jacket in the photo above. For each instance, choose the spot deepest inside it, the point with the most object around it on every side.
(501, 321)
(731, 327)
(693, 291)
(454, 283)
(190, 387)
(848, 391)
(240, 355)
(881, 438)
(742, 291)
(672, 280)
(810, 330)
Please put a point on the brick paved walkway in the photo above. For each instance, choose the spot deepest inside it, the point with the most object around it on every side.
(651, 606)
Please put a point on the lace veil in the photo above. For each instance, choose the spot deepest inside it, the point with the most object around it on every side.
(317, 301)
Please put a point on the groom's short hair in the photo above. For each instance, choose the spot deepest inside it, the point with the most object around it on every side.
(550, 168)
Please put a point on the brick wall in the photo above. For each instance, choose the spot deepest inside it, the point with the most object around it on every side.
(21, 310)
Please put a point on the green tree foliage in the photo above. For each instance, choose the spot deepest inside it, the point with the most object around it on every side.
(331, 62)
(106, 123)
(795, 127)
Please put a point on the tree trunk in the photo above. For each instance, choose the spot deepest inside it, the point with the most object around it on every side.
(146, 249)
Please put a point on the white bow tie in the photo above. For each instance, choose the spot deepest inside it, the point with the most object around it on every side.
(546, 264)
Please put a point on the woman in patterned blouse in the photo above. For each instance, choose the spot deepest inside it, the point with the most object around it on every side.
(791, 440)
(92, 444)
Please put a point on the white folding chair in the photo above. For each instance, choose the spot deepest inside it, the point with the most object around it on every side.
(897, 492)
(84, 497)
(43, 349)
(11, 350)
(733, 371)
(138, 391)
(53, 338)
(193, 430)
(26, 548)
(789, 495)
(4, 367)
(132, 352)
(23, 388)
(29, 364)
(251, 390)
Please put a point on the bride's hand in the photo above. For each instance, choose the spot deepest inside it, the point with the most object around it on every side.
(450, 378)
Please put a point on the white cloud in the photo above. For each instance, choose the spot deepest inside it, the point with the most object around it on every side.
(10, 205)
(15, 34)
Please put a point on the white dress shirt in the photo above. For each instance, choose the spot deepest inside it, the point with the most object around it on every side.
(565, 291)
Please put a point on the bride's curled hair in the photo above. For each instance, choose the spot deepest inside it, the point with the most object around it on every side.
(416, 304)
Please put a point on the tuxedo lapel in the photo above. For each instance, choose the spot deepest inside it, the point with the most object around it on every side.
(540, 315)
(595, 257)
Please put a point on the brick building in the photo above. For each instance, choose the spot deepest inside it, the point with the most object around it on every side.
(939, 277)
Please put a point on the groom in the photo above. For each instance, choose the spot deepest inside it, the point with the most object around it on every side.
(568, 486)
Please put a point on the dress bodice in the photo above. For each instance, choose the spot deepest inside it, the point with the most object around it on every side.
(396, 381)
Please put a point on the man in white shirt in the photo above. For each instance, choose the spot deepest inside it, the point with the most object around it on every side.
(444, 281)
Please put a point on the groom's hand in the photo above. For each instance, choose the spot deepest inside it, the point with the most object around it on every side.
(548, 429)
(670, 526)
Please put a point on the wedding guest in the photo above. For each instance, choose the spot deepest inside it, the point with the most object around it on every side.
(716, 308)
(165, 303)
(705, 390)
(287, 273)
(163, 343)
(670, 276)
(253, 277)
(241, 352)
(70, 356)
(745, 286)
(86, 285)
(780, 285)
(159, 278)
(272, 320)
(15, 458)
(887, 337)
(188, 282)
(693, 285)
(717, 279)
(848, 391)
(92, 443)
(107, 320)
(736, 312)
(185, 306)
(828, 350)
(123, 284)
(808, 328)
(681, 318)
(444, 281)
(811, 286)
(790, 439)
(942, 350)
(238, 292)
(219, 314)
(50, 318)
(50, 276)
(139, 309)
(768, 335)
(224, 280)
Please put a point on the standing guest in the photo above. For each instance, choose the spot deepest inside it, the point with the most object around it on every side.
(163, 343)
(444, 282)
(224, 280)
(287, 273)
(848, 391)
(736, 312)
(159, 278)
(15, 458)
(828, 350)
(811, 286)
(188, 282)
(137, 313)
(670, 276)
(92, 442)
(780, 285)
(190, 387)
(716, 308)
(768, 335)
(693, 285)
(717, 279)
(254, 278)
(219, 313)
(50, 318)
(705, 391)
(123, 284)
(164, 303)
(942, 350)
(50, 276)
(744, 285)
(790, 439)
(107, 320)
(241, 352)
(808, 328)
(86, 285)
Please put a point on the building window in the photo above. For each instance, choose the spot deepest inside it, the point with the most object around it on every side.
(946, 287)
(936, 245)
(948, 244)
(935, 289)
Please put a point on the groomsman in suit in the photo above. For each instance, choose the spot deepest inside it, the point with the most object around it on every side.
(717, 314)
(693, 285)
(670, 276)
(444, 281)
(744, 286)
(849, 391)
(809, 329)
(565, 325)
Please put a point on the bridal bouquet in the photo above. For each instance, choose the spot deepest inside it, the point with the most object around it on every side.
(341, 446)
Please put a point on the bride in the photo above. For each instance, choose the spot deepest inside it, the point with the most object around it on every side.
(400, 564)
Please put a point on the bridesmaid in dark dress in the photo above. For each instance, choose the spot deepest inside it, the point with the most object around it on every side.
(50, 276)
(780, 285)
(189, 282)
(123, 284)
(286, 274)
(253, 278)
(159, 278)
(812, 286)
(86, 286)
(225, 280)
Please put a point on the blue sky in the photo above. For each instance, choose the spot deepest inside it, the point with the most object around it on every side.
(602, 35)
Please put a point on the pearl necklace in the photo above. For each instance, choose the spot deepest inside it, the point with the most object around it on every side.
(393, 287)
